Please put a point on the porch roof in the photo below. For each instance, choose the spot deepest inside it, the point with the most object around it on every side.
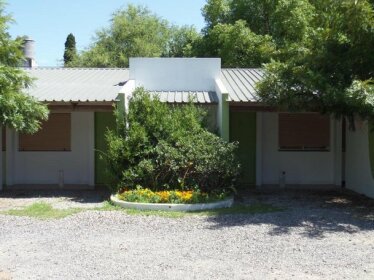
(199, 97)
(241, 83)
(77, 84)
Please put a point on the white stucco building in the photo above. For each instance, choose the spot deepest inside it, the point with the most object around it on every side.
(275, 148)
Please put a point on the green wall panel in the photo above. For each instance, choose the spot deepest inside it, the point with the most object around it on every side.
(103, 121)
(243, 130)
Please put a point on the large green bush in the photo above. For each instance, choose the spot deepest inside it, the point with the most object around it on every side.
(164, 147)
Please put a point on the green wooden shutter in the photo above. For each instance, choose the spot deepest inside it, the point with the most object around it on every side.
(103, 122)
(243, 130)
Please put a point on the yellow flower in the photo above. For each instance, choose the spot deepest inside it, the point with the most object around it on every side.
(164, 195)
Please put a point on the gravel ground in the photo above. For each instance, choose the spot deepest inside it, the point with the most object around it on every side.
(60, 199)
(328, 236)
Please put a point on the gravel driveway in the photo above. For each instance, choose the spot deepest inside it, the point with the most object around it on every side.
(318, 236)
(60, 199)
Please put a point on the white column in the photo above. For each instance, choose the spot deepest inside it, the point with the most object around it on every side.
(258, 149)
(1, 159)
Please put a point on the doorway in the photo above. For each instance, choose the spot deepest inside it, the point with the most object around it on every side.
(243, 130)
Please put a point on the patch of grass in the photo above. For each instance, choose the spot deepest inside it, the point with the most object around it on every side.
(236, 209)
(42, 210)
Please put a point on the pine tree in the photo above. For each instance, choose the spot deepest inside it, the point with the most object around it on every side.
(70, 53)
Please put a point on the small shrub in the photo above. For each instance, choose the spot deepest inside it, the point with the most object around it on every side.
(165, 147)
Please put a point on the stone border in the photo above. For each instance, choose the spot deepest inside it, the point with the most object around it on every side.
(172, 207)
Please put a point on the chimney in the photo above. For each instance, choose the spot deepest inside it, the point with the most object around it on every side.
(29, 52)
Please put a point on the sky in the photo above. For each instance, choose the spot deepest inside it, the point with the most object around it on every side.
(49, 22)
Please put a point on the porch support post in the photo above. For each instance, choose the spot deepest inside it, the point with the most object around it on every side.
(258, 149)
(223, 112)
(337, 149)
(91, 150)
(1, 159)
(121, 107)
(225, 132)
(124, 98)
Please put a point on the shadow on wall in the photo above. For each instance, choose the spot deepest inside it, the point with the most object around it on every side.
(313, 214)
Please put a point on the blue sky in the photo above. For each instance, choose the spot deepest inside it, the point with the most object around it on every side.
(48, 22)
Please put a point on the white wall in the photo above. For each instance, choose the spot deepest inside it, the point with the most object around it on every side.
(43, 167)
(197, 74)
(302, 168)
(358, 169)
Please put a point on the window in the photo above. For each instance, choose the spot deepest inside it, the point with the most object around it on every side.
(54, 135)
(304, 132)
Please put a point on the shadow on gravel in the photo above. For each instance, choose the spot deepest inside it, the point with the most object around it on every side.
(313, 213)
(82, 196)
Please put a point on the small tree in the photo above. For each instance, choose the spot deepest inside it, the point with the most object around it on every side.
(167, 147)
(70, 53)
(17, 110)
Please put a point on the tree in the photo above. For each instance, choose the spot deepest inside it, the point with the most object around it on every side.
(182, 41)
(17, 110)
(214, 12)
(331, 69)
(237, 45)
(279, 23)
(322, 57)
(70, 53)
(281, 19)
(133, 32)
(136, 32)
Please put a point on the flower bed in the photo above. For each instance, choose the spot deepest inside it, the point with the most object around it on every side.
(173, 200)
(141, 195)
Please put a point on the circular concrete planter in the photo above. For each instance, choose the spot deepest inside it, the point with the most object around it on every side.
(173, 207)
